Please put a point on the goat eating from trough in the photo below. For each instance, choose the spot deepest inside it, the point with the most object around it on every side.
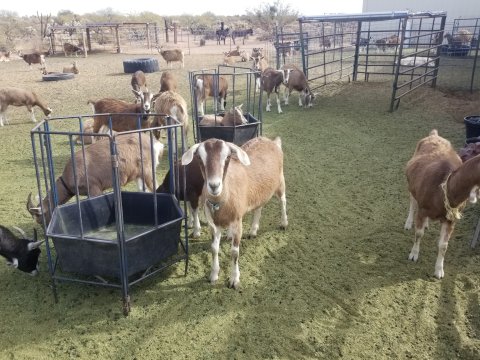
(439, 185)
(21, 253)
(20, 97)
(238, 180)
(94, 172)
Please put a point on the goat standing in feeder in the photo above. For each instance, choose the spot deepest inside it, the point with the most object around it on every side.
(207, 85)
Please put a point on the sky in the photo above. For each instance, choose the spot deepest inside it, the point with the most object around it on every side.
(169, 8)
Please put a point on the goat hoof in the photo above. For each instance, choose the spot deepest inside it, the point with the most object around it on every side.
(234, 284)
(439, 274)
(413, 257)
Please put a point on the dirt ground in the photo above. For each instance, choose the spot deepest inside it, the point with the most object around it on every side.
(336, 284)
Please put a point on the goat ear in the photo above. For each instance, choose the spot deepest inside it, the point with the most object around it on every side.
(188, 156)
(241, 155)
(136, 93)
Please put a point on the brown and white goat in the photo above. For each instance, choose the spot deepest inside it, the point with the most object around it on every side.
(173, 104)
(232, 117)
(168, 81)
(238, 180)
(171, 56)
(295, 79)
(213, 86)
(260, 64)
(72, 69)
(139, 83)
(271, 80)
(124, 114)
(97, 166)
(193, 190)
(20, 97)
(439, 185)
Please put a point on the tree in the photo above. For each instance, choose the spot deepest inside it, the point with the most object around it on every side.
(270, 16)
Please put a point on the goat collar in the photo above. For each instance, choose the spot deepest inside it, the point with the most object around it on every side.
(455, 213)
(214, 206)
(69, 192)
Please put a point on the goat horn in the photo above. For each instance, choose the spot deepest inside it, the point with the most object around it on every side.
(34, 244)
(20, 231)
(29, 202)
(32, 209)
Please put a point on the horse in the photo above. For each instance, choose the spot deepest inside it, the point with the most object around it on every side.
(222, 35)
(241, 33)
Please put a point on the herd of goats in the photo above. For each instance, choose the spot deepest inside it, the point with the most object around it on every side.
(225, 180)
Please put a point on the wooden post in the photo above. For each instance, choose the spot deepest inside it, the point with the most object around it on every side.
(84, 39)
(89, 41)
(166, 30)
(175, 32)
(118, 40)
(148, 36)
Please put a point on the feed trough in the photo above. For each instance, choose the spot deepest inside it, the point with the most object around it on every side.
(238, 134)
(151, 231)
(207, 90)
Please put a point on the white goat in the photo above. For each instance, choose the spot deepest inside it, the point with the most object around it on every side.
(417, 61)
(237, 181)
(20, 97)
(206, 85)
(439, 185)
(172, 55)
(97, 164)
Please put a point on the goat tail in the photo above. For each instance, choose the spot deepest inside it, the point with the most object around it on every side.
(434, 132)
(91, 102)
(199, 84)
(278, 141)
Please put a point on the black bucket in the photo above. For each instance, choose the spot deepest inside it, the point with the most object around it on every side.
(472, 126)
(238, 134)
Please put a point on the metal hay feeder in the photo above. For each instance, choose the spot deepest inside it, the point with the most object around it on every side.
(121, 237)
(241, 91)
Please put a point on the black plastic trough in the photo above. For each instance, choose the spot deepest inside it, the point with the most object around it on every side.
(97, 252)
(472, 126)
(238, 134)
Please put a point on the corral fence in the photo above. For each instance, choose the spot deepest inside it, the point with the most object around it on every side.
(128, 37)
(462, 48)
(400, 45)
